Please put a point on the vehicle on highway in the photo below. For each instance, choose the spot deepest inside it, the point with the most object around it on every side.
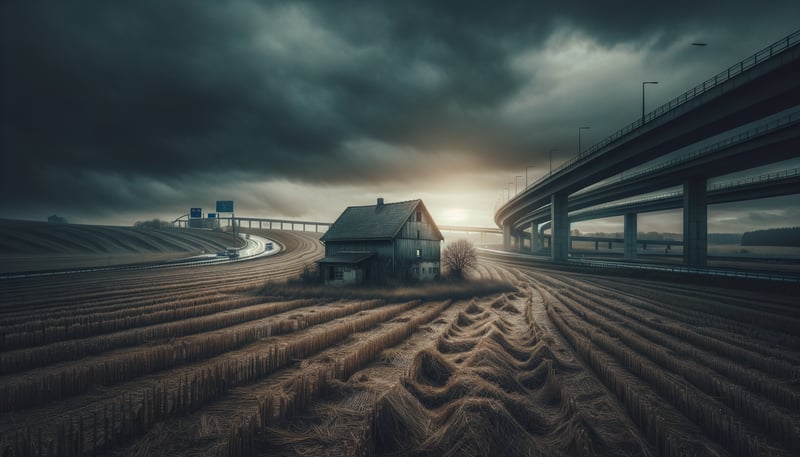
(232, 253)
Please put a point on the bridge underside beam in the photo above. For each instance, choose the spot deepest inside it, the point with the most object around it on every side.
(559, 215)
(695, 222)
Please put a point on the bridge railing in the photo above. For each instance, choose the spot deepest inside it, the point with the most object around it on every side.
(761, 130)
(633, 201)
(763, 178)
(767, 177)
(721, 77)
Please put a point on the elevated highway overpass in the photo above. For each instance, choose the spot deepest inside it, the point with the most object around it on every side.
(754, 89)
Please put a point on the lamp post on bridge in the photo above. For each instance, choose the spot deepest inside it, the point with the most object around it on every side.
(556, 150)
(526, 175)
(579, 141)
(643, 84)
(509, 190)
(516, 190)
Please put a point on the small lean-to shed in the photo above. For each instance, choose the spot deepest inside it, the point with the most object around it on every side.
(377, 242)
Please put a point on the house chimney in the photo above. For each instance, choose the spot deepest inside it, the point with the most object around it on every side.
(380, 202)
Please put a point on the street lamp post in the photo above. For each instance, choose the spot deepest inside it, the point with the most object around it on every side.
(526, 175)
(516, 190)
(509, 190)
(643, 84)
(555, 150)
(579, 137)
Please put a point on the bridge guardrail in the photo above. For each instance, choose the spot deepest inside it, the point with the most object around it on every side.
(756, 179)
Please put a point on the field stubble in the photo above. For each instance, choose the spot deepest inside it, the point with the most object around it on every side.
(209, 361)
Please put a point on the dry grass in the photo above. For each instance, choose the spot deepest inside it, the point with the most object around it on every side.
(444, 290)
(520, 363)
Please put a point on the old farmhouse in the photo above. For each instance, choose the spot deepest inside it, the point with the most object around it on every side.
(382, 241)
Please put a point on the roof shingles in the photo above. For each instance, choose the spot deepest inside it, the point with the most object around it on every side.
(371, 222)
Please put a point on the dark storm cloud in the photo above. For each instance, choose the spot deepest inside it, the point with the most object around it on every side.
(106, 104)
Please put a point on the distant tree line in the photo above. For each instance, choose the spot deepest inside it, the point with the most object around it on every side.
(724, 238)
(152, 224)
(788, 236)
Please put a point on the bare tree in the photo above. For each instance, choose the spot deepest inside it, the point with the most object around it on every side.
(459, 257)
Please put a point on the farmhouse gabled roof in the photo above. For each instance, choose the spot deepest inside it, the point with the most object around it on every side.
(375, 222)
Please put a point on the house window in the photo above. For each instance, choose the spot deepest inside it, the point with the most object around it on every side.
(338, 272)
(419, 253)
(417, 234)
(419, 216)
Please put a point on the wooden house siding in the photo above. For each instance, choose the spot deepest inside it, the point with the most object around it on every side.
(403, 236)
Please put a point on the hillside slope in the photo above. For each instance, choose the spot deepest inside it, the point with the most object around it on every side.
(37, 246)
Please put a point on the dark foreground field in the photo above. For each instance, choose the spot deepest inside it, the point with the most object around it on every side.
(225, 361)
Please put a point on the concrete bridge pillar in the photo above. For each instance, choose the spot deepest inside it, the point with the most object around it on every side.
(559, 215)
(534, 237)
(520, 242)
(695, 222)
(630, 236)
(506, 237)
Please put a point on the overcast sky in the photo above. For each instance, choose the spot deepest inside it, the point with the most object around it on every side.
(114, 112)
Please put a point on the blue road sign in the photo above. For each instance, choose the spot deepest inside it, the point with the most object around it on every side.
(212, 215)
(224, 206)
(195, 212)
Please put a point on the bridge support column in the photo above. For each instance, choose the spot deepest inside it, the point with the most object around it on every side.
(534, 237)
(559, 217)
(695, 222)
(506, 237)
(520, 242)
(630, 236)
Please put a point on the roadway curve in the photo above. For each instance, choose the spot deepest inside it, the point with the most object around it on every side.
(299, 250)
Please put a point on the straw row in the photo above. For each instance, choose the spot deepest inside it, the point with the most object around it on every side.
(687, 343)
(720, 327)
(29, 389)
(277, 409)
(661, 424)
(190, 393)
(718, 422)
(25, 359)
(51, 330)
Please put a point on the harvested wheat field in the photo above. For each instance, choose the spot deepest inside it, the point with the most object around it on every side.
(227, 360)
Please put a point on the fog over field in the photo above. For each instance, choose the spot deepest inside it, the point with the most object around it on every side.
(115, 112)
